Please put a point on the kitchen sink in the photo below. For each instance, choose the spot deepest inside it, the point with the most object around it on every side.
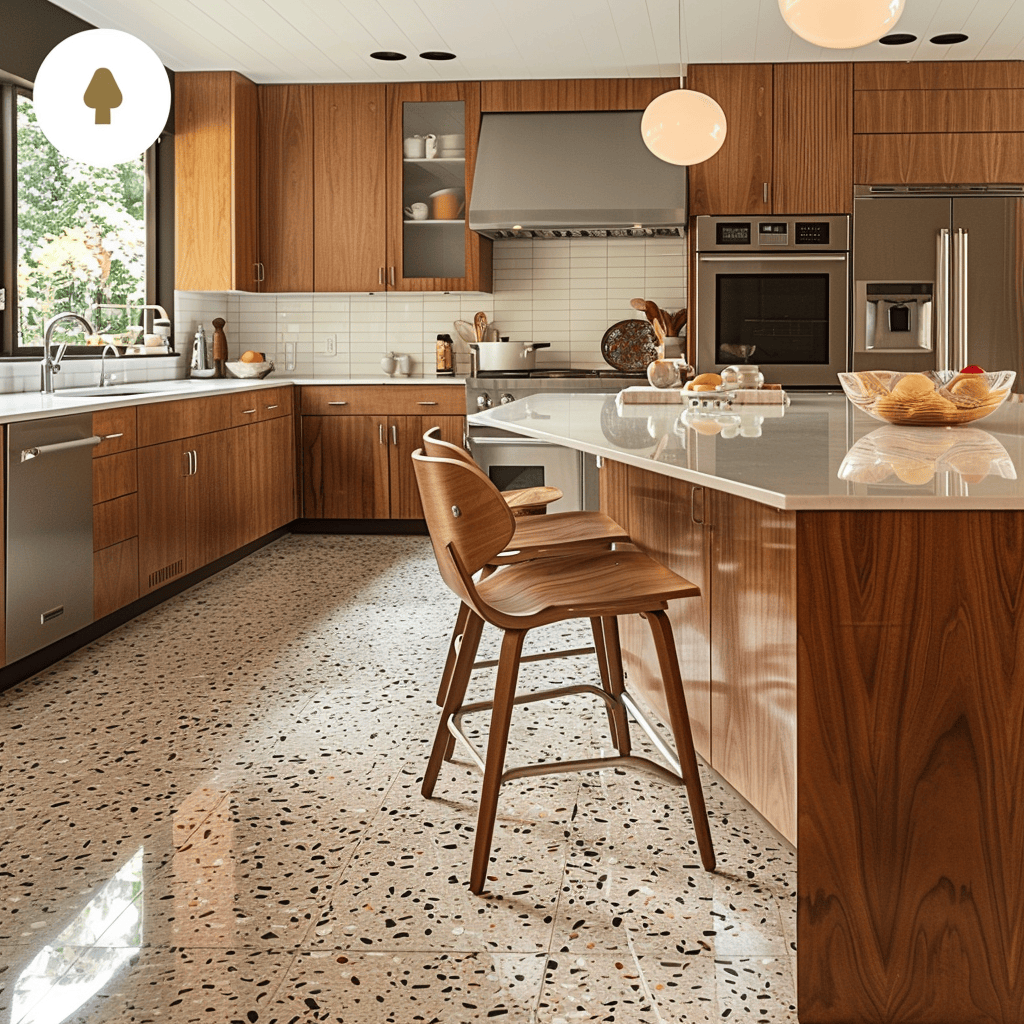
(108, 392)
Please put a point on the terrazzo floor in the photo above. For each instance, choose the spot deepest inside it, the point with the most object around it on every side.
(213, 814)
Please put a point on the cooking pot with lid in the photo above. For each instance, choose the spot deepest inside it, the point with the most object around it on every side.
(499, 356)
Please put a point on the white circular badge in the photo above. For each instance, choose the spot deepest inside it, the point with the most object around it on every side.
(102, 97)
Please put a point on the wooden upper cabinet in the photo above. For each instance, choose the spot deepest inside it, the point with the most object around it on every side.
(573, 94)
(737, 179)
(215, 124)
(813, 130)
(431, 255)
(789, 141)
(286, 187)
(349, 192)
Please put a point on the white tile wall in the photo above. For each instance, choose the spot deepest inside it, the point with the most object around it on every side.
(566, 292)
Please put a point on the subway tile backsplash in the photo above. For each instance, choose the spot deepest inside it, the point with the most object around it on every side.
(567, 293)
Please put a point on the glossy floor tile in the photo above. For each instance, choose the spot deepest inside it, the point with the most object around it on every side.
(214, 814)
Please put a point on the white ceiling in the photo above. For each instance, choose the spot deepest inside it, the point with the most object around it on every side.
(330, 40)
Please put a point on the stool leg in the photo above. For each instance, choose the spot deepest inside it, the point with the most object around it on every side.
(616, 681)
(617, 725)
(494, 762)
(453, 699)
(679, 718)
(453, 653)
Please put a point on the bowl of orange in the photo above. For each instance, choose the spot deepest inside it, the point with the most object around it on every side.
(936, 398)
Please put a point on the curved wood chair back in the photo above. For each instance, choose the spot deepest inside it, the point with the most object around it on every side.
(468, 520)
(438, 449)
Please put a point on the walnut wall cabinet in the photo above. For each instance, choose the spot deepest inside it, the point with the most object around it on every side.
(573, 94)
(215, 193)
(947, 122)
(357, 443)
(789, 140)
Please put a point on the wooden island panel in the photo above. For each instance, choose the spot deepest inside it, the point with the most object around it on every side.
(752, 575)
(911, 765)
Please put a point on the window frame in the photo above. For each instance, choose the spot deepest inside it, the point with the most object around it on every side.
(10, 88)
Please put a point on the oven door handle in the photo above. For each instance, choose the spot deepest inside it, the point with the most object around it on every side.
(775, 257)
(517, 439)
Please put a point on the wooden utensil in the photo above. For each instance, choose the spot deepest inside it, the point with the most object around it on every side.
(640, 304)
(651, 309)
(659, 333)
(480, 323)
(678, 322)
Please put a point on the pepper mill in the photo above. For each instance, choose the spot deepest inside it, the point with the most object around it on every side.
(220, 345)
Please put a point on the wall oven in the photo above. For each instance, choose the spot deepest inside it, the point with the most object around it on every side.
(774, 292)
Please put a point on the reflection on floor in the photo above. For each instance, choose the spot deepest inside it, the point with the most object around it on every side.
(214, 814)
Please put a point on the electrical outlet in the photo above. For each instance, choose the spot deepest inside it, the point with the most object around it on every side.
(332, 344)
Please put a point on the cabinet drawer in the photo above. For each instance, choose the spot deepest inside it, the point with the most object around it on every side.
(274, 402)
(384, 400)
(163, 421)
(115, 577)
(114, 475)
(115, 521)
(117, 428)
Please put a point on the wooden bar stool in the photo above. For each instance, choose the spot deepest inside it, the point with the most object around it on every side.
(470, 525)
(557, 533)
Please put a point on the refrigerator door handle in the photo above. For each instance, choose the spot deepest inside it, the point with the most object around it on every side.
(960, 299)
(942, 300)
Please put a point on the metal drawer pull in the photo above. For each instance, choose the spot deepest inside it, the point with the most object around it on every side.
(110, 437)
(391, 274)
(248, 412)
(60, 446)
(426, 403)
(380, 275)
(693, 513)
(380, 433)
(330, 403)
(269, 407)
(53, 613)
(394, 434)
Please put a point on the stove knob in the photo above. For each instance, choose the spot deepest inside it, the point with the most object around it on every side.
(507, 399)
(483, 401)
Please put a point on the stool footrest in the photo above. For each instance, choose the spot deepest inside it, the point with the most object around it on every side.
(574, 652)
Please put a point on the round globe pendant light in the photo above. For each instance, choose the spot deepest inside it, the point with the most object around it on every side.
(683, 127)
(841, 24)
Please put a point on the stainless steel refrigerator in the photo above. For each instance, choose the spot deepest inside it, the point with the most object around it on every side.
(937, 278)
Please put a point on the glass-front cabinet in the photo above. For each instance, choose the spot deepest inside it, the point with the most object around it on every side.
(432, 136)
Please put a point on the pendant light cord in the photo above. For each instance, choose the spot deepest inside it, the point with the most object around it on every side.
(679, 29)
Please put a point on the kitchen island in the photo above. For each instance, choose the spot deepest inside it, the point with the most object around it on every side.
(854, 668)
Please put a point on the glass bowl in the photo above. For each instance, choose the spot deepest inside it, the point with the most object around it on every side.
(937, 398)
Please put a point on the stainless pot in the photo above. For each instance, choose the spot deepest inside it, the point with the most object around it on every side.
(500, 356)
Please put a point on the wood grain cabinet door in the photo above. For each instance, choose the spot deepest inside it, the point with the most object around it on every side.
(737, 179)
(345, 467)
(286, 187)
(665, 518)
(219, 515)
(273, 474)
(349, 168)
(163, 475)
(405, 435)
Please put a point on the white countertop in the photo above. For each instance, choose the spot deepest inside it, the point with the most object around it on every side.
(797, 461)
(31, 405)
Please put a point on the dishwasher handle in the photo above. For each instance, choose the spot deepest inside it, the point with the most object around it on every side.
(60, 446)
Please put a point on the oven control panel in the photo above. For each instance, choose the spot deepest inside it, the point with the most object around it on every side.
(773, 234)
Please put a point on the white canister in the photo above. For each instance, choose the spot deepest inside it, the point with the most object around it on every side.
(414, 148)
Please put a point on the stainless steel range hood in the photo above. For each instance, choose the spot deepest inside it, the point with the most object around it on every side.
(571, 175)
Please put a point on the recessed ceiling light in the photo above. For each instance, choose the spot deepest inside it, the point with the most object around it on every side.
(897, 39)
(948, 38)
(437, 55)
(387, 55)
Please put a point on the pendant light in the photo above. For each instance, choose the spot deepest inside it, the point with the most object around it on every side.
(841, 24)
(682, 126)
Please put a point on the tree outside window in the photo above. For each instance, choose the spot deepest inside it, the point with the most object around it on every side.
(81, 236)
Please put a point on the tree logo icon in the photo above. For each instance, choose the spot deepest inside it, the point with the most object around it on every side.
(102, 95)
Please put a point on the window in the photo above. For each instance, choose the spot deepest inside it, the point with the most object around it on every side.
(77, 238)
(80, 237)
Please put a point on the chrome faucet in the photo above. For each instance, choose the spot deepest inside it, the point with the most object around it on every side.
(50, 364)
(103, 359)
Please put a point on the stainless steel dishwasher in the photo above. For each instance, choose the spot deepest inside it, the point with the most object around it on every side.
(49, 531)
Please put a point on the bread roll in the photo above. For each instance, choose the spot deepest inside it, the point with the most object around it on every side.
(914, 385)
(706, 378)
(252, 357)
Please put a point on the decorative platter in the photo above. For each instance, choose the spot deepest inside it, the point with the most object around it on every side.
(630, 345)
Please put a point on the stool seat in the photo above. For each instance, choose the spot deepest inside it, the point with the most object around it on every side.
(531, 501)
